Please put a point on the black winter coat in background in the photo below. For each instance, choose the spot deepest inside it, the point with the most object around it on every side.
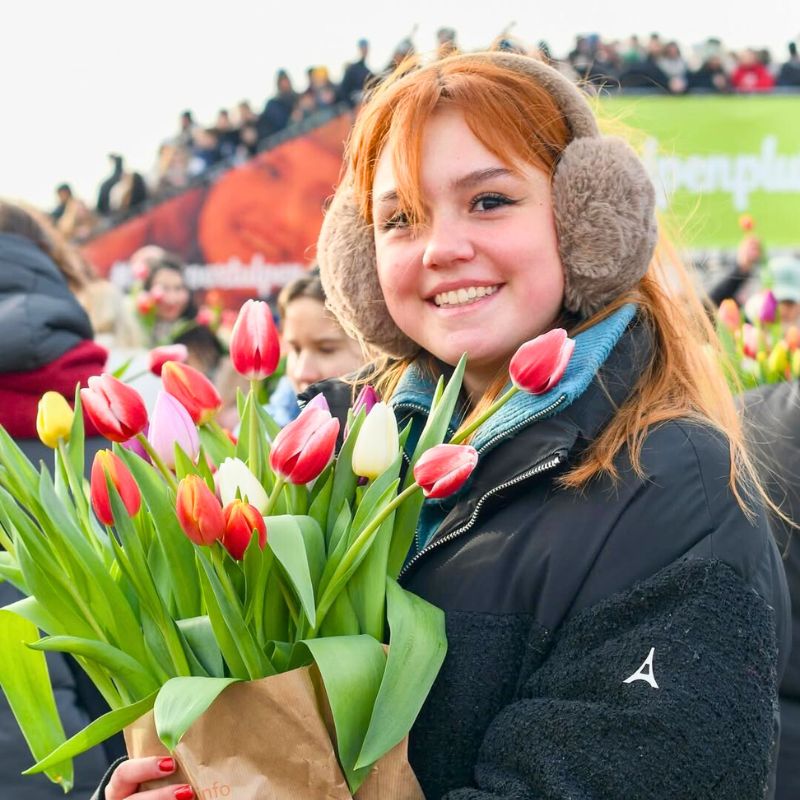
(618, 642)
(772, 414)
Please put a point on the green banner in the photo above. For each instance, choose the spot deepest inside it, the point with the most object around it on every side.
(713, 158)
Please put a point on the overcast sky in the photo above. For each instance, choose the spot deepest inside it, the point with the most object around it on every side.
(84, 78)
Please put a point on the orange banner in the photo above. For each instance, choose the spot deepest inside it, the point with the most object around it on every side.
(270, 207)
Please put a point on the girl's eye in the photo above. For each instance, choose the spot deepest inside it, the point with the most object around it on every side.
(490, 201)
(397, 220)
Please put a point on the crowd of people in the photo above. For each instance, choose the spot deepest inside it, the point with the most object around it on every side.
(654, 64)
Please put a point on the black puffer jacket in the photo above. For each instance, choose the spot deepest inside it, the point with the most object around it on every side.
(772, 414)
(554, 599)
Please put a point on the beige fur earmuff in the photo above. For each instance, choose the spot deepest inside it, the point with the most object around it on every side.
(603, 202)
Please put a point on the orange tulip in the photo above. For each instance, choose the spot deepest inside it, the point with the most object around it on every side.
(199, 512)
(108, 464)
(192, 390)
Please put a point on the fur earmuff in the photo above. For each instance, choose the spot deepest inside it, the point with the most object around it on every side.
(603, 202)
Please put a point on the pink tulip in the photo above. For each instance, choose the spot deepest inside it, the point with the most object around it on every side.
(171, 424)
(729, 314)
(769, 307)
(751, 341)
(444, 469)
(135, 446)
(305, 446)
(115, 409)
(539, 364)
(159, 356)
(366, 399)
(255, 348)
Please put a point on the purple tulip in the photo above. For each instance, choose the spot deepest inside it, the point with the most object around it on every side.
(135, 446)
(366, 399)
(769, 307)
(171, 423)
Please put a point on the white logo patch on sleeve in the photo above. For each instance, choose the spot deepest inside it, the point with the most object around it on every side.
(645, 672)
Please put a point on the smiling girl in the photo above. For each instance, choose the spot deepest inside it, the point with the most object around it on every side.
(616, 609)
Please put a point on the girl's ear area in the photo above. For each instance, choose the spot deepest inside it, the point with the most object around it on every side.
(348, 270)
(604, 207)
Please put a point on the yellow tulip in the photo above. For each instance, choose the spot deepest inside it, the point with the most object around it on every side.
(54, 419)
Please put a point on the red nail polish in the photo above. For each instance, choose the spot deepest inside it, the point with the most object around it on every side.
(184, 793)
(167, 765)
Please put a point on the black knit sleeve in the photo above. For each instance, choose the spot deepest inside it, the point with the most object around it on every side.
(667, 690)
(100, 792)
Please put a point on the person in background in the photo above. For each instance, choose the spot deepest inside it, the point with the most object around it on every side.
(186, 130)
(227, 134)
(751, 75)
(72, 217)
(789, 74)
(446, 42)
(673, 65)
(748, 255)
(315, 345)
(278, 109)
(166, 284)
(47, 346)
(711, 76)
(356, 76)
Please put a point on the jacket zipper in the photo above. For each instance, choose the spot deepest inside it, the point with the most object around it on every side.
(551, 462)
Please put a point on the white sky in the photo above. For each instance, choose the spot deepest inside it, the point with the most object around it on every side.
(83, 78)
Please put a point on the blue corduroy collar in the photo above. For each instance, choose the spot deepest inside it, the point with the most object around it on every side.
(592, 348)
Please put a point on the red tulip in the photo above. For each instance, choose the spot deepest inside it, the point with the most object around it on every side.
(255, 348)
(792, 338)
(115, 409)
(108, 464)
(159, 356)
(305, 446)
(751, 340)
(539, 364)
(199, 512)
(145, 302)
(444, 469)
(241, 519)
(192, 390)
(746, 222)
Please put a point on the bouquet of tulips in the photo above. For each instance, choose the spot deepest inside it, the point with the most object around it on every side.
(215, 589)
(760, 350)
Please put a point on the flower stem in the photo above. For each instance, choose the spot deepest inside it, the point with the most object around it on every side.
(280, 482)
(332, 590)
(156, 459)
(253, 452)
(464, 434)
(137, 375)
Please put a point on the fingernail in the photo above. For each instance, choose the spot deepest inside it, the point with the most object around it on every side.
(184, 793)
(167, 765)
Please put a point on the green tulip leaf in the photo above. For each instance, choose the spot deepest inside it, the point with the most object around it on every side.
(93, 734)
(181, 701)
(351, 668)
(285, 539)
(25, 681)
(200, 636)
(416, 651)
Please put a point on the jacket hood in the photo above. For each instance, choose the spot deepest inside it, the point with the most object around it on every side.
(40, 319)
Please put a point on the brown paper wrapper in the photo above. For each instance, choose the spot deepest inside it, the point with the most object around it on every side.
(268, 740)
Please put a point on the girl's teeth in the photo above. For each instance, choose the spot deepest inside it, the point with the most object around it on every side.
(461, 296)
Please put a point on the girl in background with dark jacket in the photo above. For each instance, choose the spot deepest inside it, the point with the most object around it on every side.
(616, 608)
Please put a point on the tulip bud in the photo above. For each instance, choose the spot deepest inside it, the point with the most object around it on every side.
(192, 390)
(171, 424)
(746, 222)
(538, 365)
(145, 303)
(729, 314)
(751, 340)
(444, 469)
(241, 519)
(378, 443)
(796, 364)
(233, 478)
(108, 464)
(159, 356)
(115, 409)
(792, 337)
(205, 316)
(54, 419)
(778, 361)
(367, 399)
(199, 512)
(304, 447)
(255, 347)
(769, 307)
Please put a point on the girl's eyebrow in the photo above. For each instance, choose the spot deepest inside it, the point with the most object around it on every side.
(464, 182)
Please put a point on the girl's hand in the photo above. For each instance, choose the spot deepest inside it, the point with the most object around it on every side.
(127, 776)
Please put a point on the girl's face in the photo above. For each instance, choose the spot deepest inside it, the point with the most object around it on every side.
(483, 274)
(171, 294)
(316, 347)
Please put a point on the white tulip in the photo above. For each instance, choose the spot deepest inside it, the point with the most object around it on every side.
(377, 444)
(233, 476)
